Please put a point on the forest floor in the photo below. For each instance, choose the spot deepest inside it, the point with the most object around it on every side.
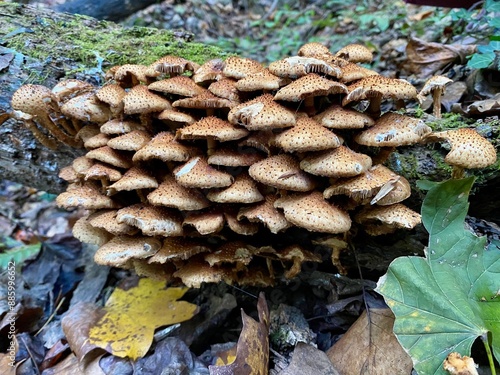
(319, 305)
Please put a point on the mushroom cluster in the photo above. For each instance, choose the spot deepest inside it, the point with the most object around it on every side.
(229, 170)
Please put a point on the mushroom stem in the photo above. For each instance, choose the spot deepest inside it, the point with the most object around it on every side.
(457, 172)
(374, 107)
(383, 155)
(210, 146)
(309, 106)
(42, 138)
(436, 98)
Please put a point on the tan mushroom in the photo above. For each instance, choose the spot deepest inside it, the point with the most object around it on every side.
(197, 173)
(106, 220)
(121, 249)
(313, 49)
(110, 156)
(134, 179)
(196, 272)
(265, 212)
(175, 248)
(139, 100)
(355, 53)
(336, 117)
(112, 94)
(239, 67)
(132, 141)
(263, 80)
(85, 196)
(178, 85)
(170, 194)
(299, 66)
(165, 147)
(378, 220)
(130, 75)
(69, 88)
(435, 86)
(152, 220)
(85, 232)
(205, 222)
(208, 72)
(225, 88)
(173, 65)
(243, 190)
(117, 126)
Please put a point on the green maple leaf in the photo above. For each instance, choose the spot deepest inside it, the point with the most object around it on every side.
(444, 301)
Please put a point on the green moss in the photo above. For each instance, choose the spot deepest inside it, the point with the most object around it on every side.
(91, 43)
(450, 121)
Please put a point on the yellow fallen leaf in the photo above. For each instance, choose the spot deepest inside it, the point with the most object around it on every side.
(127, 328)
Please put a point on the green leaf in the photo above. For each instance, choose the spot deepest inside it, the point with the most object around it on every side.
(444, 301)
(19, 255)
(481, 60)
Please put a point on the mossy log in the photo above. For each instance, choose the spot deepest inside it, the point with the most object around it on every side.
(43, 47)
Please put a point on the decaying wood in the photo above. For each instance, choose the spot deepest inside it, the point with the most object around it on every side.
(112, 10)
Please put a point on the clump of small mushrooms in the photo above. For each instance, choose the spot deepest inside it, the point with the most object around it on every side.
(232, 170)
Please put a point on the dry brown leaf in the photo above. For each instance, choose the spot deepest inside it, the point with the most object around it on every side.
(370, 348)
(308, 360)
(455, 364)
(427, 58)
(5, 361)
(252, 352)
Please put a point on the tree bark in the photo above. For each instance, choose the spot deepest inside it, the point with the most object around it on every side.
(27, 33)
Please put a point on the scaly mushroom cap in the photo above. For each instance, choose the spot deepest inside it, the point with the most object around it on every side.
(469, 149)
(243, 227)
(265, 213)
(282, 172)
(134, 179)
(379, 86)
(98, 140)
(306, 135)
(179, 85)
(230, 157)
(121, 249)
(299, 66)
(33, 99)
(312, 212)
(68, 174)
(129, 75)
(86, 107)
(212, 127)
(81, 165)
(231, 252)
(84, 196)
(152, 220)
(355, 53)
(112, 94)
(175, 248)
(352, 72)
(132, 141)
(194, 273)
(433, 83)
(85, 232)
(261, 140)
(139, 100)
(261, 113)
(100, 171)
(263, 80)
(107, 155)
(336, 117)
(297, 255)
(69, 88)
(386, 219)
(117, 126)
(173, 65)
(163, 146)
(205, 222)
(239, 67)
(206, 100)
(337, 163)
(243, 190)
(196, 173)
(175, 116)
(394, 191)
(307, 86)
(225, 88)
(209, 71)
(170, 194)
(392, 130)
(312, 49)
(106, 219)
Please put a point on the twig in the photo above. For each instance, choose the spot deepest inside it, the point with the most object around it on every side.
(51, 315)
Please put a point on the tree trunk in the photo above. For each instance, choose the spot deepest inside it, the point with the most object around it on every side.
(41, 46)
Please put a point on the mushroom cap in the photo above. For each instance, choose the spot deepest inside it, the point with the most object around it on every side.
(123, 248)
(312, 212)
(469, 149)
(132, 141)
(265, 212)
(261, 113)
(135, 178)
(212, 127)
(170, 194)
(178, 85)
(84, 196)
(282, 172)
(225, 88)
(176, 116)
(230, 157)
(299, 66)
(209, 71)
(309, 85)
(338, 162)
(197, 173)
(128, 74)
(173, 65)
(69, 88)
(204, 101)
(394, 191)
(205, 222)
(352, 72)
(261, 140)
(99, 171)
(87, 131)
(231, 252)
(263, 80)
(196, 272)
(243, 190)
(239, 67)
(313, 49)
(337, 117)
(86, 107)
(433, 83)
(117, 126)
(112, 94)
(165, 147)
(110, 156)
(355, 53)
(362, 186)
(98, 140)
(392, 130)
(243, 227)
(175, 248)
(152, 220)
(379, 86)
(139, 100)
(85, 232)
(106, 220)
(68, 174)
(377, 220)
(306, 135)
(81, 165)
(33, 99)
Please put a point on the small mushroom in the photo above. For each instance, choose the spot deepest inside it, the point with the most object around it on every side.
(355, 53)
(121, 249)
(239, 67)
(165, 147)
(435, 86)
(170, 194)
(152, 220)
(197, 173)
(175, 248)
(265, 212)
(378, 220)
